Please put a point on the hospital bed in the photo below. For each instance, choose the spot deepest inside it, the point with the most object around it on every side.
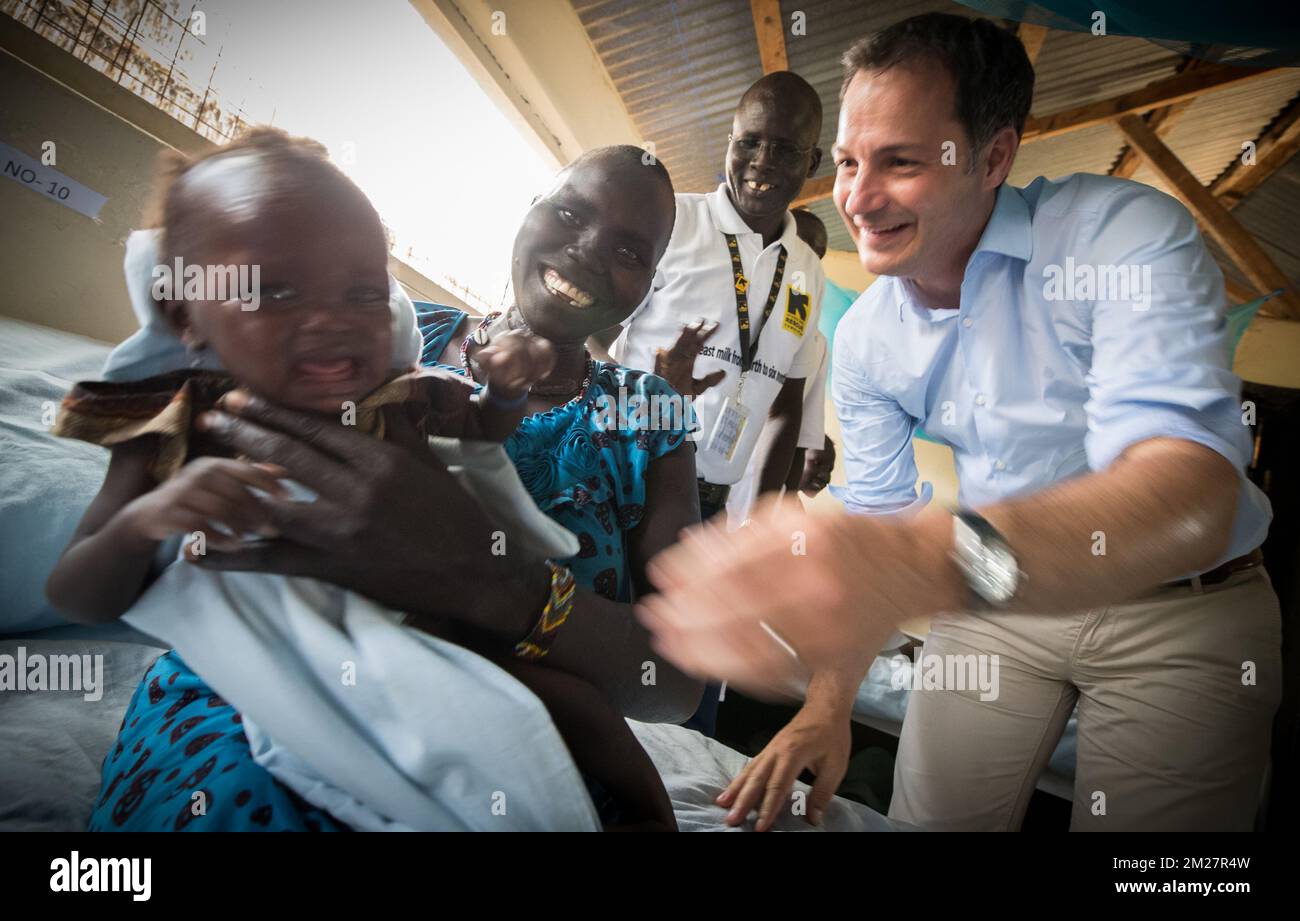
(52, 743)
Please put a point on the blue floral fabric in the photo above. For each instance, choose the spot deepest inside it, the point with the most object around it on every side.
(585, 463)
(182, 763)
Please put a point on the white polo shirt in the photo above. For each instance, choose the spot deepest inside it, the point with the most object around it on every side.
(812, 436)
(695, 281)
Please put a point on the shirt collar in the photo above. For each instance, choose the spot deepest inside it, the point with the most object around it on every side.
(728, 220)
(1009, 231)
(906, 303)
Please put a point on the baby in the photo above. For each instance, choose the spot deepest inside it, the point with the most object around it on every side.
(320, 341)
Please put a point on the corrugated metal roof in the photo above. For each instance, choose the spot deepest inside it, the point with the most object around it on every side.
(1209, 133)
(1076, 68)
(1088, 150)
(681, 65)
(1272, 214)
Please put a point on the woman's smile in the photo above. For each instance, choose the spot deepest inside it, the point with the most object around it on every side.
(559, 286)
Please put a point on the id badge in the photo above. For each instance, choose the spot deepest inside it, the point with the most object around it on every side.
(728, 429)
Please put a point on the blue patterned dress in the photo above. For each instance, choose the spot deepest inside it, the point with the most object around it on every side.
(182, 761)
(583, 465)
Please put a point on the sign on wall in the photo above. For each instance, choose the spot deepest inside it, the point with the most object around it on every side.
(49, 182)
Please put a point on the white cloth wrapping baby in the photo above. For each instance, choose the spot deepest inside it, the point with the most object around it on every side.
(429, 736)
(385, 727)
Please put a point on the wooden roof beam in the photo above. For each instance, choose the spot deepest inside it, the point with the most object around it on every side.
(1235, 240)
(814, 190)
(1032, 37)
(769, 28)
(1159, 121)
(1278, 144)
(1178, 88)
(1239, 293)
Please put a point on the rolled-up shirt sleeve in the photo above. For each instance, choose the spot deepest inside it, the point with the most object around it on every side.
(1160, 360)
(876, 436)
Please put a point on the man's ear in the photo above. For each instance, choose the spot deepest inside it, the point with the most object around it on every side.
(1001, 156)
(815, 162)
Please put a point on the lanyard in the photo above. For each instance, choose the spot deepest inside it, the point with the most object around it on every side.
(748, 351)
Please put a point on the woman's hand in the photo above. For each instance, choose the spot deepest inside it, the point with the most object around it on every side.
(817, 739)
(389, 523)
(676, 365)
(205, 492)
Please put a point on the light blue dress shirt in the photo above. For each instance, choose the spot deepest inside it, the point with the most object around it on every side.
(1091, 318)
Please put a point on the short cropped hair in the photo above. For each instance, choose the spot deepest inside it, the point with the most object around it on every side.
(988, 65)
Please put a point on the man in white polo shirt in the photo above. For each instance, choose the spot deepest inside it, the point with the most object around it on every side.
(812, 428)
(735, 259)
(812, 435)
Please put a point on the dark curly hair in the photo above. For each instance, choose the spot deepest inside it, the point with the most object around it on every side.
(988, 65)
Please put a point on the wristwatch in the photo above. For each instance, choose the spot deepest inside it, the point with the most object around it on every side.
(984, 559)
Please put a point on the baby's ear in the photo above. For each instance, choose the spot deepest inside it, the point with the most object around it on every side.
(177, 315)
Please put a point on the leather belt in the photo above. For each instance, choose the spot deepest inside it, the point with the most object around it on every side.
(1222, 572)
(712, 493)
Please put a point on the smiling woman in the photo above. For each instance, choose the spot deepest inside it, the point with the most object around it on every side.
(586, 246)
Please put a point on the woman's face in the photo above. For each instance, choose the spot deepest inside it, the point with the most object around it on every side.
(586, 253)
(321, 333)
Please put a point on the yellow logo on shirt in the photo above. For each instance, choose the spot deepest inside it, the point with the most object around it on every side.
(796, 311)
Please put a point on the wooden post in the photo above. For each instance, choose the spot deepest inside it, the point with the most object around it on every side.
(769, 28)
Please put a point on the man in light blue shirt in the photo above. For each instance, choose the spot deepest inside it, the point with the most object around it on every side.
(1067, 341)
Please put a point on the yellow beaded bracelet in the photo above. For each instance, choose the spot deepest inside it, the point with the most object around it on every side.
(538, 642)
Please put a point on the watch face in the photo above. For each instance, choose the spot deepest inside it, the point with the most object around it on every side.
(987, 563)
(1000, 574)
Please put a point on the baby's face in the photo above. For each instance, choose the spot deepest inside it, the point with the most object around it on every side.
(321, 333)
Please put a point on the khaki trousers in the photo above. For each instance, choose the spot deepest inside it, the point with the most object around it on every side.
(1170, 735)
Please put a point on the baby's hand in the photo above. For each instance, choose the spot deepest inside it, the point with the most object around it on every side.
(205, 491)
(513, 362)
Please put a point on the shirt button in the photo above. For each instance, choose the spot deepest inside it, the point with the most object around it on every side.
(998, 465)
(968, 322)
(979, 399)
